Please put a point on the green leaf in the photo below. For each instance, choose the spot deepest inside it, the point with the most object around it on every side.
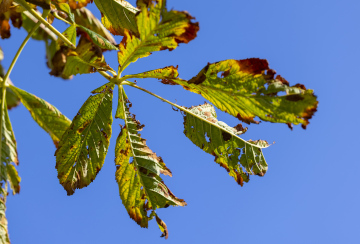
(98, 39)
(44, 114)
(85, 18)
(84, 145)
(118, 15)
(13, 178)
(159, 30)
(247, 88)
(165, 75)
(70, 33)
(140, 186)
(66, 8)
(86, 59)
(4, 233)
(239, 157)
(122, 98)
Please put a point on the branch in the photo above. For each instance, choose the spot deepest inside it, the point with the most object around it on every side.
(42, 20)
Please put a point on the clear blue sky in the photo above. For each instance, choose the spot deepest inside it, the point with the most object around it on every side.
(311, 191)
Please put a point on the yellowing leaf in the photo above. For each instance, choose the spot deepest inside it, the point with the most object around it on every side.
(247, 88)
(118, 15)
(85, 18)
(159, 30)
(44, 114)
(84, 145)
(4, 234)
(240, 158)
(70, 34)
(140, 186)
(165, 75)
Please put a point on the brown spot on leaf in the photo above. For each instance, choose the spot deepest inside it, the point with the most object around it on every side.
(282, 80)
(253, 65)
(301, 86)
(294, 97)
(290, 126)
(239, 179)
(190, 31)
(200, 78)
(4, 28)
(226, 136)
(247, 120)
(239, 127)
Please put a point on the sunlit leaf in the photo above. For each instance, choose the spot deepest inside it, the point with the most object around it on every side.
(70, 34)
(4, 234)
(66, 8)
(247, 88)
(140, 186)
(84, 145)
(118, 15)
(44, 114)
(13, 178)
(100, 41)
(165, 75)
(120, 111)
(85, 18)
(159, 30)
(239, 157)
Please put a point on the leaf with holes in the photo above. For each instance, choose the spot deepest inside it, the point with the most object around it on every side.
(44, 114)
(84, 145)
(239, 157)
(159, 30)
(247, 88)
(140, 186)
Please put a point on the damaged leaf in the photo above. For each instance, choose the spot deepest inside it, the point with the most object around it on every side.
(44, 114)
(84, 145)
(247, 88)
(240, 158)
(140, 186)
(4, 233)
(118, 16)
(165, 75)
(159, 30)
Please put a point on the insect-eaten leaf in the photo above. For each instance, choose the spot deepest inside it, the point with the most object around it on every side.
(240, 158)
(84, 145)
(159, 29)
(140, 186)
(247, 88)
(4, 234)
(45, 115)
(118, 16)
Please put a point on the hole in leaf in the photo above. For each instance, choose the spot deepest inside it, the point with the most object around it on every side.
(207, 138)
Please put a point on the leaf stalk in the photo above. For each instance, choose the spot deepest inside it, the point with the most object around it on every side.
(43, 21)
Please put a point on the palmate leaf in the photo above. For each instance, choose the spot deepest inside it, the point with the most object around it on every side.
(84, 145)
(239, 157)
(140, 186)
(4, 234)
(159, 30)
(247, 88)
(44, 114)
(118, 15)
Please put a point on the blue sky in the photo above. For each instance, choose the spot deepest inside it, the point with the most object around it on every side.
(311, 191)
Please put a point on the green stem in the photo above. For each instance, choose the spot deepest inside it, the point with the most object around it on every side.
(180, 108)
(59, 18)
(42, 20)
(7, 75)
